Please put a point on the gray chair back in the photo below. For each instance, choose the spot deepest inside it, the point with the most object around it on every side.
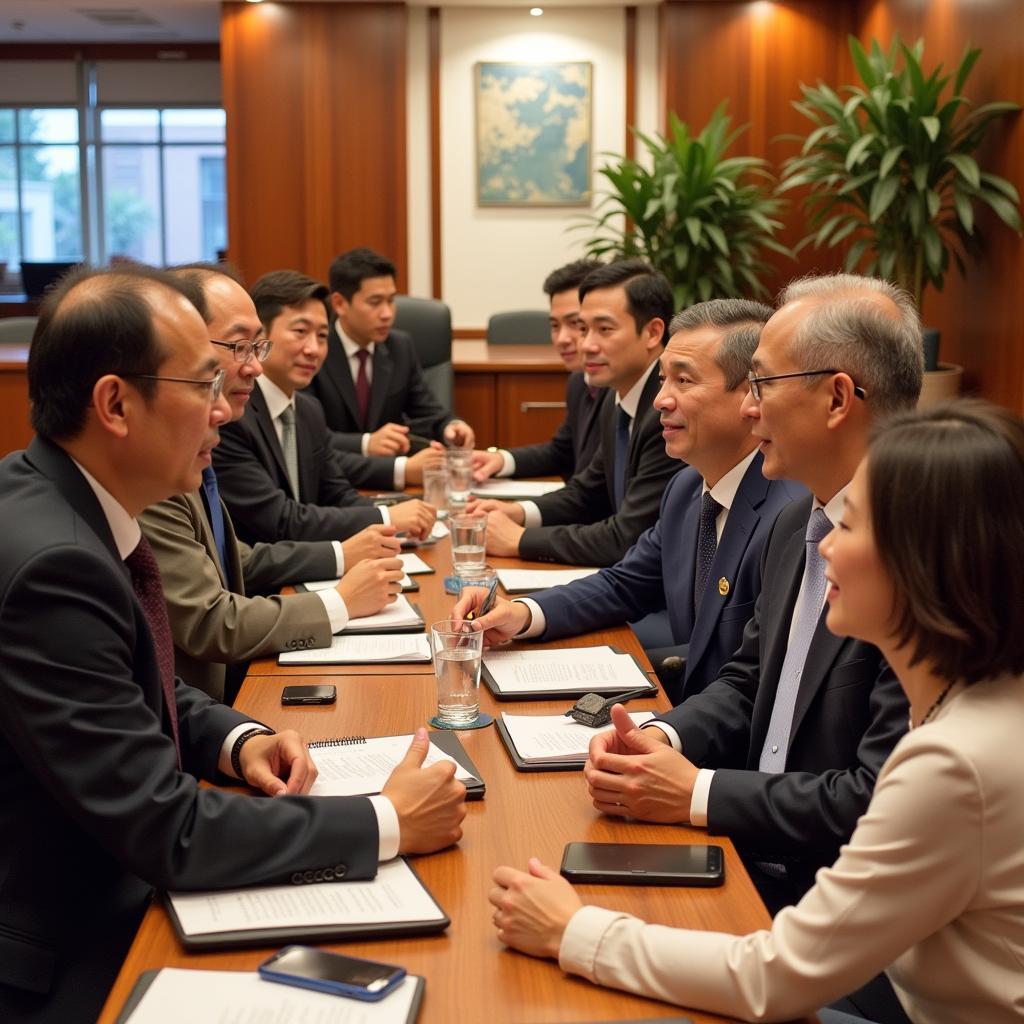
(17, 330)
(520, 327)
(429, 321)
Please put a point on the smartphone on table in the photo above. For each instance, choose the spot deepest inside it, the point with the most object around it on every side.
(644, 864)
(333, 973)
(321, 694)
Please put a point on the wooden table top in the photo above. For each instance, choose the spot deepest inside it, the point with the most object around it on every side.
(470, 975)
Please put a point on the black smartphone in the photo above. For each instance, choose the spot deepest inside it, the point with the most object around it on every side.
(331, 972)
(643, 864)
(323, 694)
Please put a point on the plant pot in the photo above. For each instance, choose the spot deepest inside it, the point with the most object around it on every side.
(940, 385)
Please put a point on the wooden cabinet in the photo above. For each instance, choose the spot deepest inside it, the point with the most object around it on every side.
(15, 430)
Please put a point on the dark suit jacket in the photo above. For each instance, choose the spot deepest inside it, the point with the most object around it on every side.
(581, 523)
(850, 712)
(254, 483)
(658, 572)
(573, 445)
(93, 807)
(398, 393)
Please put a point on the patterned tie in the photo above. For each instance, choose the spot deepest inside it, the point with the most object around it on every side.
(707, 545)
(289, 447)
(621, 455)
(776, 742)
(149, 590)
(363, 386)
(212, 495)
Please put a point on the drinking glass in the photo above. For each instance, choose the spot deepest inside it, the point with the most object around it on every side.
(457, 652)
(435, 490)
(459, 463)
(469, 540)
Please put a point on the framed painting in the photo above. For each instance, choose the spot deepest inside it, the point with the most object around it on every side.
(533, 133)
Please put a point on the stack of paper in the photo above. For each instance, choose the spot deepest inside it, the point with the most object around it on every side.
(521, 581)
(555, 738)
(512, 490)
(366, 649)
(331, 584)
(397, 617)
(566, 672)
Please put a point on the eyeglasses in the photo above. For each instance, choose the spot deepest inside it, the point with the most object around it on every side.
(245, 350)
(756, 382)
(215, 385)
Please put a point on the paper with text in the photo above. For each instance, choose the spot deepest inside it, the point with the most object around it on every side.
(519, 581)
(396, 895)
(575, 668)
(510, 489)
(243, 997)
(367, 649)
(358, 769)
(398, 613)
(555, 737)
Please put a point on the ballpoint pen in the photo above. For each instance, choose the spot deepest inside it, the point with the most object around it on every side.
(492, 590)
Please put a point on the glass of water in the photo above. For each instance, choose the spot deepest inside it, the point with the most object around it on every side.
(459, 463)
(435, 489)
(457, 651)
(469, 540)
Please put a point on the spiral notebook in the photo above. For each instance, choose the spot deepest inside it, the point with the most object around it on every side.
(359, 766)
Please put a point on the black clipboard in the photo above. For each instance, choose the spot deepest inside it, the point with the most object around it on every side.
(145, 979)
(575, 694)
(417, 627)
(535, 766)
(310, 933)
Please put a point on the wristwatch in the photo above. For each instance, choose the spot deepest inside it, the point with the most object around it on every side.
(236, 749)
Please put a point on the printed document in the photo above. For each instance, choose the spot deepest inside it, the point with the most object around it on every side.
(366, 649)
(510, 489)
(555, 737)
(581, 669)
(521, 581)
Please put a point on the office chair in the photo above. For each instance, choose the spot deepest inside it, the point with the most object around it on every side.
(520, 327)
(17, 330)
(38, 277)
(429, 321)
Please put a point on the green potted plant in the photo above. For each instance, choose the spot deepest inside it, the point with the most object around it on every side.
(891, 169)
(703, 219)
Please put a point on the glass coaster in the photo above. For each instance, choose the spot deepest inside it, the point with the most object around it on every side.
(482, 721)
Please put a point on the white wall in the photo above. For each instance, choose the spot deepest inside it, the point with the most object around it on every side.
(495, 259)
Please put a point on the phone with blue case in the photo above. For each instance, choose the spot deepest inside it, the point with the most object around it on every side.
(333, 973)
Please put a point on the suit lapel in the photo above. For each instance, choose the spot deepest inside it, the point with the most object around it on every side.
(383, 368)
(265, 428)
(739, 528)
(309, 481)
(824, 649)
(340, 374)
(589, 414)
(645, 412)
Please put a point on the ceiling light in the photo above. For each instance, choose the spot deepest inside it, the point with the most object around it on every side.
(536, 11)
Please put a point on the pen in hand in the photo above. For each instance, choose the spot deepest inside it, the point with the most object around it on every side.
(492, 594)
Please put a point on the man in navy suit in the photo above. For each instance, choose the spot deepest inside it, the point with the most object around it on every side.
(572, 446)
(709, 599)
(781, 751)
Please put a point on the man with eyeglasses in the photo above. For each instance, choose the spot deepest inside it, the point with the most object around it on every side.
(780, 752)
(101, 748)
(222, 594)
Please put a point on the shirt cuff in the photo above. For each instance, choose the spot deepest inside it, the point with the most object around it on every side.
(400, 462)
(673, 736)
(508, 463)
(339, 558)
(385, 515)
(334, 605)
(364, 444)
(388, 830)
(531, 514)
(224, 760)
(582, 938)
(537, 624)
(699, 798)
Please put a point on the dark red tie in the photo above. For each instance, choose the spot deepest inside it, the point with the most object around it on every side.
(363, 385)
(149, 590)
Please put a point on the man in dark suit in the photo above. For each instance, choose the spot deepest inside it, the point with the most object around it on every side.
(626, 308)
(222, 594)
(277, 468)
(573, 445)
(782, 750)
(100, 747)
(371, 386)
(715, 517)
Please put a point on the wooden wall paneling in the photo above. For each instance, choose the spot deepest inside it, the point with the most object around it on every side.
(434, 65)
(981, 317)
(475, 403)
(630, 90)
(315, 99)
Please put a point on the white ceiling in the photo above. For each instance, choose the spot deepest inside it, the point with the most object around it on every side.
(162, 21)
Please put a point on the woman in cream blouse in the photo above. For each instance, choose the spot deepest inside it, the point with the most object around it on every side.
(927, 563)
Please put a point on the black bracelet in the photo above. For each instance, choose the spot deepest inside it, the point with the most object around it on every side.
(236, 750)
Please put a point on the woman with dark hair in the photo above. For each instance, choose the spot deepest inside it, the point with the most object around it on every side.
(927, 563)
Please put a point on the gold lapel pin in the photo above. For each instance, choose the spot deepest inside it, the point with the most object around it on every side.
(723, 587)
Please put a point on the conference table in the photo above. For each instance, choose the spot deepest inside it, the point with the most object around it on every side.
(470, 976)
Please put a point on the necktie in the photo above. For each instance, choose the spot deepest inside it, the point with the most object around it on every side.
(149, 590)
(363, 386)
(592, 392)
(290, 449)
(776, 742)
(707, 545)
(216, 513)
(621, 455)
